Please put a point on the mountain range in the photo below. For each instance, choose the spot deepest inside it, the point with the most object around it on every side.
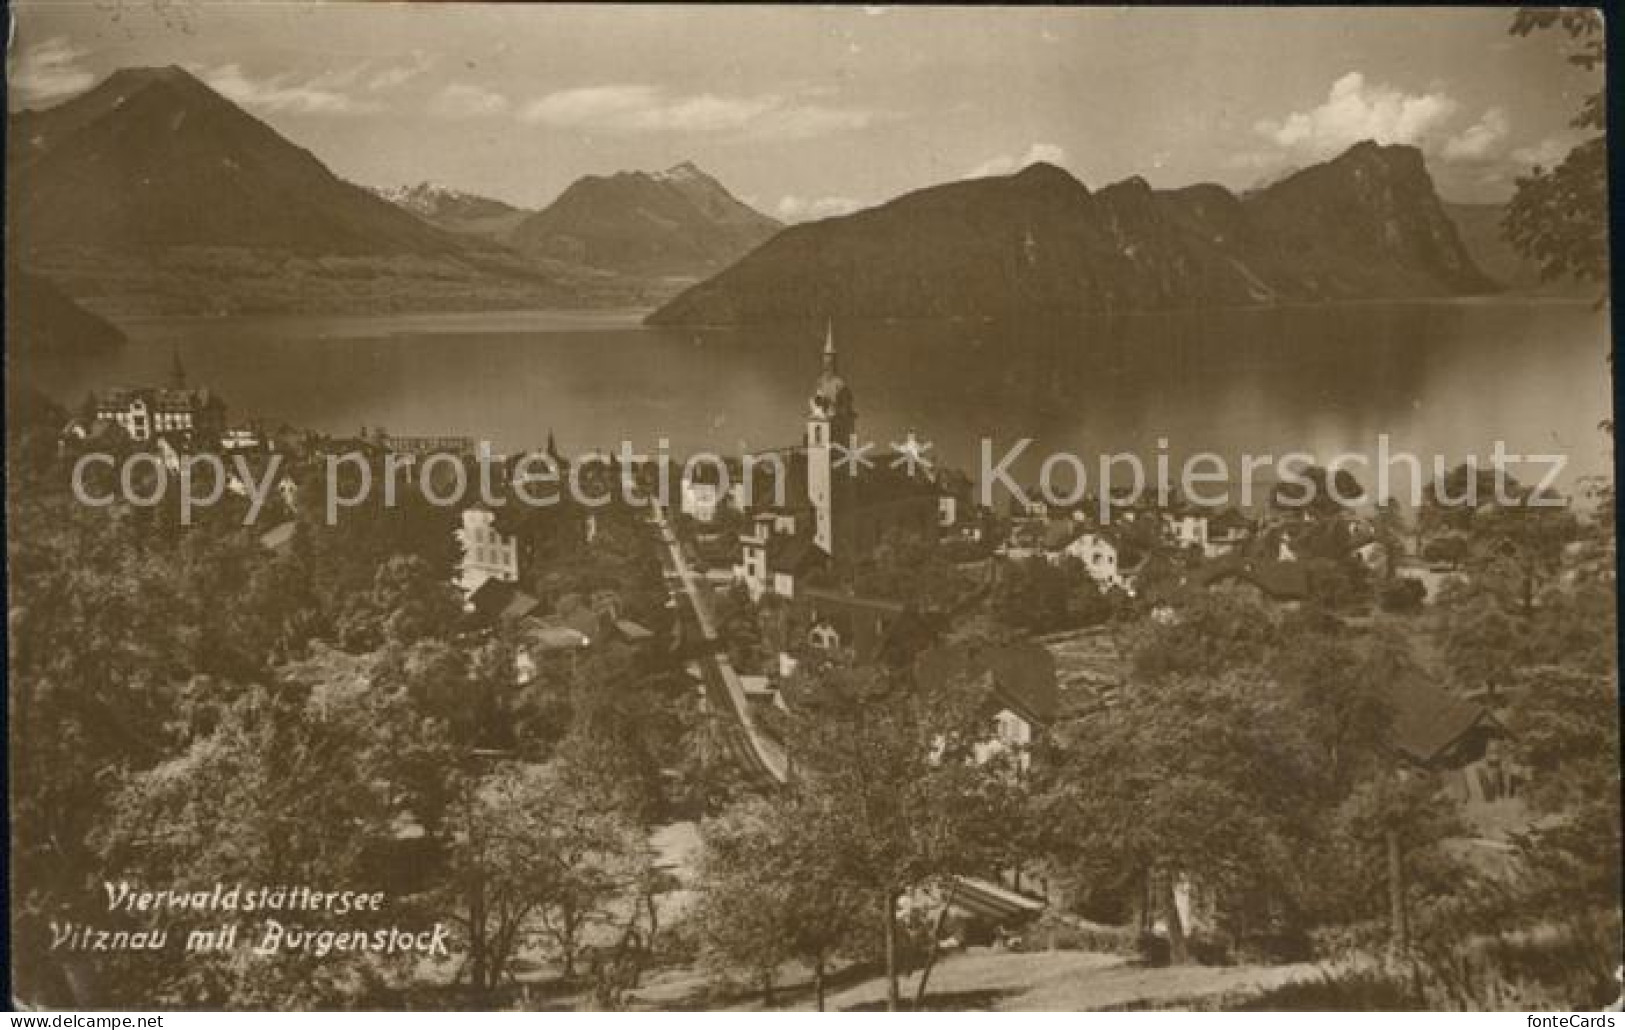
(680, 223)
(152, 193)
(1366, 224)
(456, 210)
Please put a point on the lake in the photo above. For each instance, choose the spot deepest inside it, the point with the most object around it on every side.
(1446, 378)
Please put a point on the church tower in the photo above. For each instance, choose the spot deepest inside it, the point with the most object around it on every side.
(831, 420)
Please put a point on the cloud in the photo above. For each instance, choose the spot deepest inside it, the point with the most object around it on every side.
(1548, 153)
(1005, 164)
(326, 93)
(643, 108)
(51, 69)
(1355, 110)
(807, 209)
(465, 100)
(1480, 141)
(397, 75)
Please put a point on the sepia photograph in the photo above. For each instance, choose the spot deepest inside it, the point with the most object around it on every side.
(679, 508)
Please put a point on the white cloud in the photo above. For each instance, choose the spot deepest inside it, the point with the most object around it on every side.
(808, 209)
(51, 69)
(642, 108)
(1480, 141)
(1355, 110)
(321, 94)
(465, 100)
(1548, 153)
(396, 75)
(1005, 164)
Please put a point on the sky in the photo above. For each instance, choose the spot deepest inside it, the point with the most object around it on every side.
(805, 112)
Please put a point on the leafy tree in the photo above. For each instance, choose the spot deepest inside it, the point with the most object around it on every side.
(1320, 494)
(771, 896)
(1207, 782)
(909, 568)
(889, 774)
(1033, 596)
(1559, 216)
(299, 782)
(1393, 825)
(1572, 757)
(407, 602)
(528, 846)
(1212, 635)
(1338, 683)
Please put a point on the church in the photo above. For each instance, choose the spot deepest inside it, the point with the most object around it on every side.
(836, 510)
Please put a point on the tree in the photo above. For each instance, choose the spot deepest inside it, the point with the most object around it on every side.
(1317, 492)
(1395, 822)
(770, 895)
(908, 567)
(299, 782)
(1338, 684)
(1212, 635)
(889, 772)
(1207, 782)
(1559, 216)
(1033, 595)
(1572, 756)
(526, 846)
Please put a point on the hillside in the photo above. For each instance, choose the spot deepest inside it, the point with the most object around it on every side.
(41, 321)
(455, 210)
(152, 193)
(680, 222)
(1479, 226)
(1366, 224)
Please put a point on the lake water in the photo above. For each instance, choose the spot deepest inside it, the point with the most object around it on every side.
(1447, 378)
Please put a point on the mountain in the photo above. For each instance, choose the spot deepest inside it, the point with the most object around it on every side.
(42, 321)
(455, 210)
(680, 222)
(152, 156)
(151, 192)
(1365, 224)
(1479, 226)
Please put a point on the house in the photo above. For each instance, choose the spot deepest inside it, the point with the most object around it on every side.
(1285, 582)
(415, 447)
(1099, 558)
(1227, 532)
(488, 553)
(145, 412)
(873, 629)
(240, 438)
(1187, 529)
(497, 600)
(1433, 575)
(1373, 554)
(1460, 743)
(172, 448)
(257, 467)
(705, 487)
(778, 551)
(1021, 686)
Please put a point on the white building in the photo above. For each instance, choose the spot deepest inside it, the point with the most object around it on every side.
(1188, 530)
(1099, 557)
(487, 553)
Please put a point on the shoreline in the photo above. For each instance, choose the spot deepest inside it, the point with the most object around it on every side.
(502, 321)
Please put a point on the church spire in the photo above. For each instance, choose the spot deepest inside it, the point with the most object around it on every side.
(177, 371)
(829, 346)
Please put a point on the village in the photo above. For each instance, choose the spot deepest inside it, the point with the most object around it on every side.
(1050, 616)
